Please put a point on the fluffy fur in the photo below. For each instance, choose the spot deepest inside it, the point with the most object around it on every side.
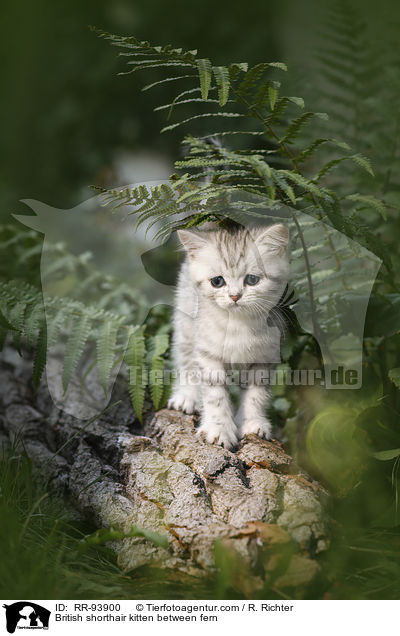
(225, 327)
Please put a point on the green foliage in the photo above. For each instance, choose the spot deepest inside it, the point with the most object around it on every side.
(135, 360)
(246, 134)
(245, 94)
(40, 321)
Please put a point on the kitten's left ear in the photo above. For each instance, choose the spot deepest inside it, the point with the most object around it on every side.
(191, 240)
(275, 238)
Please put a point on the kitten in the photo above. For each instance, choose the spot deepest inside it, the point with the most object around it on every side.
(228, 285)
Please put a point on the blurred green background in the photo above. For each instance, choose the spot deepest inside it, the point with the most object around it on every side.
(68, 118)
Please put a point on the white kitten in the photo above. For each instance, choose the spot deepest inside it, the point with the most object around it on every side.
(228, 285)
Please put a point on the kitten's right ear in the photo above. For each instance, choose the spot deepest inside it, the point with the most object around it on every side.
(191, 240)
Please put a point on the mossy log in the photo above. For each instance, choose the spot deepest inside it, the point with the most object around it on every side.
(254, 504)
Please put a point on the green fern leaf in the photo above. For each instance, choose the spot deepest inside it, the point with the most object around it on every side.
(283, 185)
(6, 324)
(204, 68)
(55, 323)
(221, 74)
(364, 163)
(272, 96)
(251, 78)
(369, 201)
(203, 115)
(310, 150)
(16, 316)
(280, 65)
(308, 185)
(167, 79)
(105, 347)
(296, 126)
(135, 358)
(33, 317)
(39, 362)
(158, 346)
(75, 346)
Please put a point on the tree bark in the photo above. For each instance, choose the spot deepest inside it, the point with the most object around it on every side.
(254, 505)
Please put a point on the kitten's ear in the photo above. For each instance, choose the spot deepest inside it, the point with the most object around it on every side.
(191, 240)
(275, 238)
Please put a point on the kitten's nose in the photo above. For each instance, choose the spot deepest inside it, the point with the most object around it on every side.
(236, 297)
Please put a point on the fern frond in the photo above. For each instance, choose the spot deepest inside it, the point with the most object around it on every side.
(39, 362)
(74, 349)
(34, 316)
(202, 116)
(205, 70)
(307, 184)
(357, 159)
(105, 347)
(167, 79)
(295, 127)
(221, 74)
(308, 152)
(135, 359)
(369, 201)
(158, 346)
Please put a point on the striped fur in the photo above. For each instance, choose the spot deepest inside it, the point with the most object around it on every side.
(214, 333)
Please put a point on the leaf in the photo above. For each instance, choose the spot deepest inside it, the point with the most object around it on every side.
(167, 79)
(33, 317)
(6, 323)
(299, 180)
(279, 65)
(105, 347)
(221, 74)
(185, 121)
(237, 67)
(309, 151)
(272, 96)
(387, 454)
(251, 78)
(299, 101)
(75, 346)
(370, 202)
(135, 358)
(295, 127)
(364, 163)
(16, 315)
(39, 362)
(159, 345)
(394, 376)
(204, 67)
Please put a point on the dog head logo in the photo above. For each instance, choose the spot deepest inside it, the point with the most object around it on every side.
(26, 615)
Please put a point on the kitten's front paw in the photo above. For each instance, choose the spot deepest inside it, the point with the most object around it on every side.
(258, 425)
(223, 433)
(184, 402)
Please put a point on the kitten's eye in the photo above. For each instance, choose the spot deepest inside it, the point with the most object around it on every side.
(217, 281)
(251, 279)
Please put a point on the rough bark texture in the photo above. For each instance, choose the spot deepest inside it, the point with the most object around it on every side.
(255, 502)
